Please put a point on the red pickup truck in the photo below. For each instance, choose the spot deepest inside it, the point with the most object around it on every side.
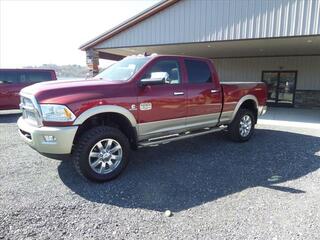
(139, 101)
(13, 80)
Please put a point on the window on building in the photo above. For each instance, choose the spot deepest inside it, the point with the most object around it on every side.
(198, 71)
(281, 86)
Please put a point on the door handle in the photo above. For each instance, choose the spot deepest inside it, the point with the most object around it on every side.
(178, 93)
(215, 90)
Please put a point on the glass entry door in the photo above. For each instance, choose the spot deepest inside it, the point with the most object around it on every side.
(281, 86)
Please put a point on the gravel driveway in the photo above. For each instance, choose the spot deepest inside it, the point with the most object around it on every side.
(267, 188)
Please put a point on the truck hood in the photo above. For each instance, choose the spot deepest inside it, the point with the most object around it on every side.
(69, 91)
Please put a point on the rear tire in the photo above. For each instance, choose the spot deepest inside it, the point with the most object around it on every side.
(101, 153)
(242, 126)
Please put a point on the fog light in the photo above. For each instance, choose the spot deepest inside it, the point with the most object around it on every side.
(49, 139)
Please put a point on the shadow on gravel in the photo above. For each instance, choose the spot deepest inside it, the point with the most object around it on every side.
(184, 174)
(9, 118)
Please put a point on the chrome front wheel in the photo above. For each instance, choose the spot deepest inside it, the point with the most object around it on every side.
(101, 153)
(105, 156)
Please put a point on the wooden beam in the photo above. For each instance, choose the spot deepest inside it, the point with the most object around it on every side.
(110, 56)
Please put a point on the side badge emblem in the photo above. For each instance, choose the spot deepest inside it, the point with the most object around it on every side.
(145, 106)
(133, 107)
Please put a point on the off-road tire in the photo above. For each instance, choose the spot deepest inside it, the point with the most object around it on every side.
(84, 145)
(234, 126)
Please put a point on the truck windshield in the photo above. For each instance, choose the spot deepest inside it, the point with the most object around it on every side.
(123, 70)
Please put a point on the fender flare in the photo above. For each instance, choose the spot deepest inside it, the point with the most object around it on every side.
(241, 101)
(105, 109)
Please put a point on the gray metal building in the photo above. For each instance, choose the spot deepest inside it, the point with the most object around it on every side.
(275, 41)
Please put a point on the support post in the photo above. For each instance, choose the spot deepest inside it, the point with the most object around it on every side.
(92, 58)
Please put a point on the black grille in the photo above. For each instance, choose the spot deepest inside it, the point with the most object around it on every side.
(26, 134)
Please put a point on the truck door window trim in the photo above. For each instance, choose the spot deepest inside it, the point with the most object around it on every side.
(194, 71)
(177, 71)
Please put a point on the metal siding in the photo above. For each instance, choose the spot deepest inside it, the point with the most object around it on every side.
(215, 20)
(250, 69)
(285, 19)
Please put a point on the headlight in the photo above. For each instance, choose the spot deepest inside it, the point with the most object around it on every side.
(56, 113)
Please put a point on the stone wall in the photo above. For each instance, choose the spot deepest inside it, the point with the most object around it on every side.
(307, 98)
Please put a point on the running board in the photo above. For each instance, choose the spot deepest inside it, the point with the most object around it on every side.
(176, 137)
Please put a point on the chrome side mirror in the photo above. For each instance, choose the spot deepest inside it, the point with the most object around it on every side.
(157, 78)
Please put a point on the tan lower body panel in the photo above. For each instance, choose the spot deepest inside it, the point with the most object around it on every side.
(226, 117)
(172, 126)
(62, 145)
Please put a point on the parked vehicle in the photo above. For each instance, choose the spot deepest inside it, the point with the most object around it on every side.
(138, 102)
(13, 80)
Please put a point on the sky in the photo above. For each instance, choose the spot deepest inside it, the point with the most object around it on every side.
(40, 32)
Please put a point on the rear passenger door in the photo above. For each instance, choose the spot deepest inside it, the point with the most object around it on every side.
(204, 98)
(9, 89)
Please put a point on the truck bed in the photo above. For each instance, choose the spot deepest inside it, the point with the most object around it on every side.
(234, 91)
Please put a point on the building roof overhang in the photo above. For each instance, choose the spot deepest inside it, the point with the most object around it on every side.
(129, 23)
(287, 46)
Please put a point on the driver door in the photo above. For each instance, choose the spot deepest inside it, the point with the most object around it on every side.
(162, 108)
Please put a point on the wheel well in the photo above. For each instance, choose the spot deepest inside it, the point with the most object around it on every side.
(115, 120)
(251, 105)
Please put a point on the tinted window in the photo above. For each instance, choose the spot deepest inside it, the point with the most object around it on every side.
(24, 76)
(171, 67)
(34, 76)
(198, 71)
(8, 77)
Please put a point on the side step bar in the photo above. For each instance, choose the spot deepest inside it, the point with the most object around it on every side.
(176, 137)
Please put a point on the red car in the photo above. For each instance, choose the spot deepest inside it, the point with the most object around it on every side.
(138, 102)
(13, 80)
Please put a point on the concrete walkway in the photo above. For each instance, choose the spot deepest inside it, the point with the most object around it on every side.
(291, 117)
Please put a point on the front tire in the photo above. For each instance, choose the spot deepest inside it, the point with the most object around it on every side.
(242, 126)
(101, 153)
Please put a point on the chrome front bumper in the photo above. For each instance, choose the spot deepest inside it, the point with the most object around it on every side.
(35, 137)
(262, 110)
